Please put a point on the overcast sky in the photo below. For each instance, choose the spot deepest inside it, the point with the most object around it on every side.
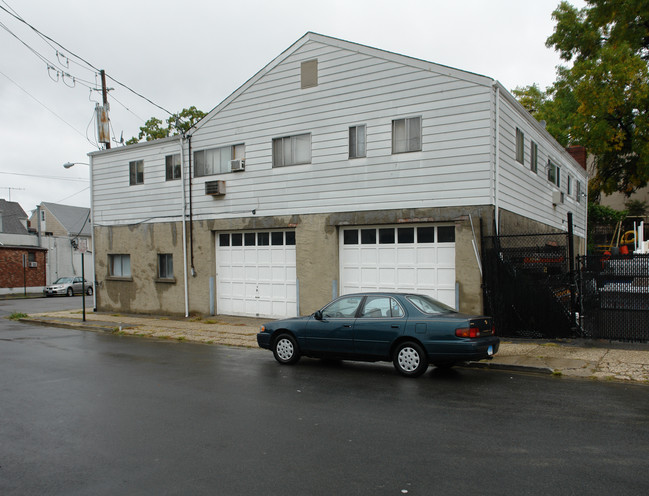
(197, 52)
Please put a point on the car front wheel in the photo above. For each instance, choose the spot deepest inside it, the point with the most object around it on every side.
(285, 350)
(410, 359)
(89, 291)
(70, 292)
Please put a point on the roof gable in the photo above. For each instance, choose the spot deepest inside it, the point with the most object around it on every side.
(13, 216)
(75, 220)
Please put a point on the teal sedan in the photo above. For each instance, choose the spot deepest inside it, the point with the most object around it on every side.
(409, 330)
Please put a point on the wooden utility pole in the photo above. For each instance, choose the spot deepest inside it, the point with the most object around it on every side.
(104, 95)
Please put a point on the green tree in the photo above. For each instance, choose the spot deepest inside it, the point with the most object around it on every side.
(177, 123)
(604, 96)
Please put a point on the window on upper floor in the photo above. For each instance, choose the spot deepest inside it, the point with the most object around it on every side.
(119, 265)
(534, 157)
(136, 172)
(406, 135)
(554, 173)
(292, 150)
(216, 160)
(357, 140)
(578, 192)
(172, 167)
(309, 74)
(569, 184)
(520, 146)
(165, 266)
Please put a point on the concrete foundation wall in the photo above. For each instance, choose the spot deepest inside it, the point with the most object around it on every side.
(317, 257)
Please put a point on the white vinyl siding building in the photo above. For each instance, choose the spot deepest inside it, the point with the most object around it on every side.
(337, 135)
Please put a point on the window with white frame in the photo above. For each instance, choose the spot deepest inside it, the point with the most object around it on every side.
(172, 167)
(406, 135)
(119, 265)
(554, 173)
(165, 266)
(520, 146)
(292, 150)
(136, 172)
(357, 140)
(534, 157)
(216, 160)
(578, 191)
(569, 185)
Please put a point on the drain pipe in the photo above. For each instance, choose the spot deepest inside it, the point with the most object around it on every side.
(497, 159)
(191, 213)
(184, 199)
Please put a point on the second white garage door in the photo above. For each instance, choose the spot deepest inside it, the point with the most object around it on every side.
(255, 274)
(418, 258)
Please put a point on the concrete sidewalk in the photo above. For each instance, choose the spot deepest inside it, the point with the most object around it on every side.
(575, 358)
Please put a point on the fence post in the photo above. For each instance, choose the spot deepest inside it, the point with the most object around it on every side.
(571, 266)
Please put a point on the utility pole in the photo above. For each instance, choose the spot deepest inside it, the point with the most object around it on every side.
(104, 95)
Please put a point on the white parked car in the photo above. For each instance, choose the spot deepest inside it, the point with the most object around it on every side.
(68, 286)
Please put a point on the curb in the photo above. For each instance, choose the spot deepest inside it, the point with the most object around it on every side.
(510, 367)
(65, 325)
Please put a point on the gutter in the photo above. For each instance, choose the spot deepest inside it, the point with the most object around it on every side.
(496, 86)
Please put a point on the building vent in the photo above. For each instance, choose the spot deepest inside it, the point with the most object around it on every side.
(237, 165)
(557, 197)
(215, 188)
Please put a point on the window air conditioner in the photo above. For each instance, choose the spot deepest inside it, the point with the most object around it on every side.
(557, 197)
(215, 188)
(33, 264)
(237, 165)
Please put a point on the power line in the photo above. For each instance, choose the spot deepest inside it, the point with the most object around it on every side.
(45, 177)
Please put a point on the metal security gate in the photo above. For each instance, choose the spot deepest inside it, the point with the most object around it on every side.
(614, 297)
(527, 285)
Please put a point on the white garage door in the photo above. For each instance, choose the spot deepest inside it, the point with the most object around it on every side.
(255, 274)
(418, 258)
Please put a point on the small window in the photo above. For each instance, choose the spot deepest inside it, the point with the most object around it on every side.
(554, 173)
(446, 234)
(165, 266)
(425, 234)
(578, 192)
(119, 265)
(534, 157)
(569, 184)
(292, 150)
(216, 160)
(309, 74)
(406, 235)
(520, 146)
(237, 239)
(386, 236)
(357, 140)
(263, 239)
(406, 135)
(290, 238)
(368, 236)
(249, 239)
(224, 239)
(350, 237)
(136, 172)
(31, 256)
(277, 238)
(172, 167)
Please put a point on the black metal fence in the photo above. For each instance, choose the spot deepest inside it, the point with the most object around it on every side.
(527, 285)
(614, 297)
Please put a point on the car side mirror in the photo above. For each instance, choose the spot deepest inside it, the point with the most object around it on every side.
(318, 315)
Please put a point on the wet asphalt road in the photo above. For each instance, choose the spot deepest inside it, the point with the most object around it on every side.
(88, 413)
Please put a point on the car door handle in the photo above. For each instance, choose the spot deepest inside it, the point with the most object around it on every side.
(347, 325)
(394, 326)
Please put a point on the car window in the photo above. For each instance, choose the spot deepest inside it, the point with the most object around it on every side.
(381, 307)
(428, 305)
(63, 280)
(344, 307)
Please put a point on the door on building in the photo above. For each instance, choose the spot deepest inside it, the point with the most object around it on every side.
(255, 273)
(410, 258)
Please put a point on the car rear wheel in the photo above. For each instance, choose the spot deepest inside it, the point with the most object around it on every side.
(410, 359)
(285, 349)
(70, 292)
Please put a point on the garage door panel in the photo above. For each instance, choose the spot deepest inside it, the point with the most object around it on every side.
(398, 262)
(256, 278)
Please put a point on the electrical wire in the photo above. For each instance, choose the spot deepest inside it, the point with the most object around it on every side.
(46, 177)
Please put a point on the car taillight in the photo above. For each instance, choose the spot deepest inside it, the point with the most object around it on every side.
(469, 332)
(262, 329)
(493, 330)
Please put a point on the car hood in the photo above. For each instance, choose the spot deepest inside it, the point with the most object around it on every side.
(284, 322)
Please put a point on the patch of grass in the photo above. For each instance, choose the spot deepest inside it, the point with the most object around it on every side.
(549, 344)
(181, 338)
(557, 373)
(18, 316)
(210, 321)
(115, 315)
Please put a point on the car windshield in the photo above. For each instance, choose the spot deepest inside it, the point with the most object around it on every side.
(63, 280)
(428, 305)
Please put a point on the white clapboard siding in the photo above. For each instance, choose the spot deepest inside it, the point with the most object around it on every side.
(530, 194)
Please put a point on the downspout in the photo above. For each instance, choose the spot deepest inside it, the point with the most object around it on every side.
(497, 160)
(92, 235)
(191, 212)
(184, 198)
